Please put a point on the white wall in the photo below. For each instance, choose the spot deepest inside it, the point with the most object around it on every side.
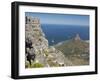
(5, 40)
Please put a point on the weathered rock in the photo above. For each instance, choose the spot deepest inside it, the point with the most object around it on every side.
(44, 54)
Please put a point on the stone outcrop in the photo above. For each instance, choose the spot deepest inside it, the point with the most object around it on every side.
(77, 37)
(37, 47)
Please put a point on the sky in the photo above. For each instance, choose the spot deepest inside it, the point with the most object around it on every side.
(62, 19)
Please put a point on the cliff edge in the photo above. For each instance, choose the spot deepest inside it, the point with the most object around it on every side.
(38, 52)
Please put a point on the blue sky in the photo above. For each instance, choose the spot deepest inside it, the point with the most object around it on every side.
(66, 19)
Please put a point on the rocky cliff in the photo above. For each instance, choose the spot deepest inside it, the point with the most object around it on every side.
(38, 52)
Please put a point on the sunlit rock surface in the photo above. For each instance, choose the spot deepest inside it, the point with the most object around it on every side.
(45, 55)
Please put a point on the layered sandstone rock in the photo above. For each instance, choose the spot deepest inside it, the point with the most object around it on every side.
(37, 47)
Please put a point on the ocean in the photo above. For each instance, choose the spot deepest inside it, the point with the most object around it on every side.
(58, 33)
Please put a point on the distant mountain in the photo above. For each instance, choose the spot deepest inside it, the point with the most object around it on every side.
(75, 49)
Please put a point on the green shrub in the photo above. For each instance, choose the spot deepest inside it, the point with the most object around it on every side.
(37, 65)
(46, 52)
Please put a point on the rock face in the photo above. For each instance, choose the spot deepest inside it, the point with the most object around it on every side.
(77, 38)
(38, 52)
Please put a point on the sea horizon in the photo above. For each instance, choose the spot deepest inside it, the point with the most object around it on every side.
(56, 33)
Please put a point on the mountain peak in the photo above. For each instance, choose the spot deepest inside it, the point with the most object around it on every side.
(77, 37)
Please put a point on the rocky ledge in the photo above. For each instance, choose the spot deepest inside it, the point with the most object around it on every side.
(38, 52)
